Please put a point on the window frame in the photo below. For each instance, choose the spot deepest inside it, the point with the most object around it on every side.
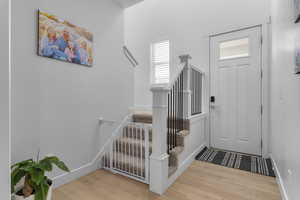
(153, 64)
(235, 57)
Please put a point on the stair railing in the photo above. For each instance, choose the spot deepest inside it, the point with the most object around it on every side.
(175, 111)
(196, 87)
(128, 152)
(172, 108)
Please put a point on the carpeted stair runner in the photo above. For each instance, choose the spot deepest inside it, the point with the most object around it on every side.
(128, 146)
(254, 164)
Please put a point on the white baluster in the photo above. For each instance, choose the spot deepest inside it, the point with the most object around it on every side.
(122, 149)
(118, 153)
(147, 146)
(141, 150)
(110, 155)
(130, 149)
(135, 150)
(126, 152)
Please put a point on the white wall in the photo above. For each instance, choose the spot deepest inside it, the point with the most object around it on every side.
(4, 101)
(187, 24)
(196, 137)
(55, 104)
(127, 3)
(285, 96)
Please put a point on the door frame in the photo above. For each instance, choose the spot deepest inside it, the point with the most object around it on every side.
(265, 86)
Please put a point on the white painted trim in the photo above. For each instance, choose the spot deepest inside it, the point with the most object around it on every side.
(120, 172)
(89, 167)
(161, 157)
(185, 164)
(265, 87)
(265, 65)
(198, 117)
(9, 91)
(198, 69)
(237, 28)
(155, 106)
(280, 183)
(74, 174)
(159, 87)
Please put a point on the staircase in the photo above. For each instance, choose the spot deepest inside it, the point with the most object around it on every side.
(147, 143)
(174, 152)
(129, 151)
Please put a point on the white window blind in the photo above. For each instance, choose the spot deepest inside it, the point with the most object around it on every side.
(160, 62)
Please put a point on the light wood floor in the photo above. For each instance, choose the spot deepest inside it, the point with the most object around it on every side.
(201, 181)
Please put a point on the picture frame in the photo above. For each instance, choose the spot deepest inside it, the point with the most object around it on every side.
(61, 40)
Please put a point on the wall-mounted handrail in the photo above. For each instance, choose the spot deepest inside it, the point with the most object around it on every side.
(130, 57)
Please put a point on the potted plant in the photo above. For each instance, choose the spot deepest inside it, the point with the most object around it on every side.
(35, 184)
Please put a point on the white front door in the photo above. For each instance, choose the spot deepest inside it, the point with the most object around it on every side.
(235, 80)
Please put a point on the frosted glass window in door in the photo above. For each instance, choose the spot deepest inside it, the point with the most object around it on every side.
(234, 49)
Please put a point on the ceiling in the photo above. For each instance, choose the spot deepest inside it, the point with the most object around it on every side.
(127, 3)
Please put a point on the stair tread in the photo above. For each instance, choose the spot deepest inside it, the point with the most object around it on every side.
(142, 117)
(184, 133)
(177, 150)
(143, 114)
(120, 154)
(132, 141)
(134, 127)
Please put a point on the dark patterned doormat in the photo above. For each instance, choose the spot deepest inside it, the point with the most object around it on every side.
(254, 164)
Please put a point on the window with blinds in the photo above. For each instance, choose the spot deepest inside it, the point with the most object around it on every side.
(160, 58)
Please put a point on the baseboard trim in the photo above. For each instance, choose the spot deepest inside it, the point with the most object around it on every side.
(184, 165)
(282, 189)
(73, 174)
(89, 167)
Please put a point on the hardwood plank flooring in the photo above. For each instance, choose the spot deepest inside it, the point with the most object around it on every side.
(202, 181)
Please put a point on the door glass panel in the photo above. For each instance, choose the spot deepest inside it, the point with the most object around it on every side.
(234, 49)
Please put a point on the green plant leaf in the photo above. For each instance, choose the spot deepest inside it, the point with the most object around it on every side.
(61, 165)
(16, 176)
(37, 175)
(22, 164)
(34, 171)
(42, 190)
(45, 165)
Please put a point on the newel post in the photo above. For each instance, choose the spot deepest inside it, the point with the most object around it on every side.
(159, 159)
(187, 109)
